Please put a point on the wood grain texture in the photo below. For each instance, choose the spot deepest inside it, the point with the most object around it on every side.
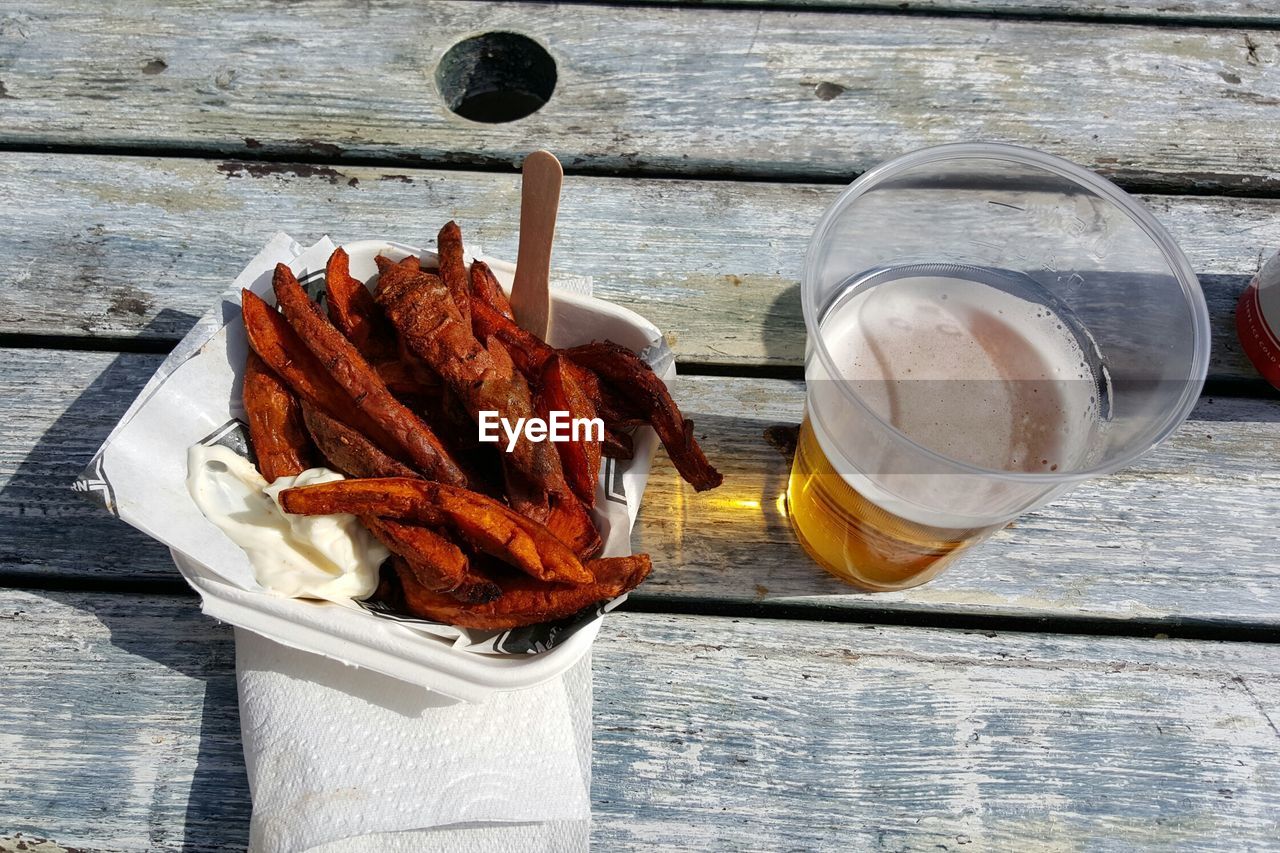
(709, 734)
(918, 740)
(684, 91)
(1183, 536)
(120, 246)
(1144, 11)
(126, 709)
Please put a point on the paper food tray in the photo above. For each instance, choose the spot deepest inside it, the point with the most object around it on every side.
(140, 473)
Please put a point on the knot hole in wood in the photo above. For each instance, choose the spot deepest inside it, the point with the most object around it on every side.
(496, 77)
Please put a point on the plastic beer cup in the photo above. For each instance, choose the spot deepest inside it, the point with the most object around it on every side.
(988, 326)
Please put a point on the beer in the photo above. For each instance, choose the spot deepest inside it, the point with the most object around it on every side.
(858, 541)
(971, 364)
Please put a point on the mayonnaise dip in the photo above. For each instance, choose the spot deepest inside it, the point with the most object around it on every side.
(330, 557)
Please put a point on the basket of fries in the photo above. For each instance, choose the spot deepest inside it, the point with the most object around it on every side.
(314, 455)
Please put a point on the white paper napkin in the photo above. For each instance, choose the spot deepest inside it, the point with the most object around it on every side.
(354, 760)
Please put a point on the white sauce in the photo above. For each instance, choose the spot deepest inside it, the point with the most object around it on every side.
(329, 557)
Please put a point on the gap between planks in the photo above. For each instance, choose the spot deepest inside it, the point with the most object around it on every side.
(1244, 388)
(1177, 628)
(305, 156)
(1154, 15)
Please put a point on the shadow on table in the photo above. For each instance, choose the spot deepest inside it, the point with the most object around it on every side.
(216, 804)
(782, 329)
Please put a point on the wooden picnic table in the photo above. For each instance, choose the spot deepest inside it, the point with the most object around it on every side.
(1100, 675)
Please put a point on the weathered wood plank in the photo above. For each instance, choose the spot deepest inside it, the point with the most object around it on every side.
(1185, 535)
(103, 246)
(680, 90)
(1227, 11)
(911, 740)
(133, 726)
(774, 735)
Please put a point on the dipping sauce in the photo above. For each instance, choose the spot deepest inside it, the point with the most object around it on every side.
(328, 557)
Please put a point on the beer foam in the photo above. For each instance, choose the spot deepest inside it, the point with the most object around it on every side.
(968, 370)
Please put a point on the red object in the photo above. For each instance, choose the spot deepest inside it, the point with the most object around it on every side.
(1258, 324)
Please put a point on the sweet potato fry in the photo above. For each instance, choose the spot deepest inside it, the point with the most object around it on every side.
(453, 270)
(436, 563)
(483, 379)
(500, 532)
(275, 422)
(527, 350)
(617, 445)
(524, 601)
(347, 451)
(614, 406)
(570, 522)
(405, 380)
(538, 460)
(530, 354)
(486, 524)
(416, 371)
(626, 370)
(279, 346)
(353, 311)
(485, 287)
(345, 364)
(355, 455)
(561, 391)
(563, 514)
(525, 498)
(350, 453)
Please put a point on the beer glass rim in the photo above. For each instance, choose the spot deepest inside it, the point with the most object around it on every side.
(1173, 256)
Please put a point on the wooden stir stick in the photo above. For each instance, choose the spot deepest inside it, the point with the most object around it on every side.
(539, 203)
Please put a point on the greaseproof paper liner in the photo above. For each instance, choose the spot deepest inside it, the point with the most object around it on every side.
(139, 474)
